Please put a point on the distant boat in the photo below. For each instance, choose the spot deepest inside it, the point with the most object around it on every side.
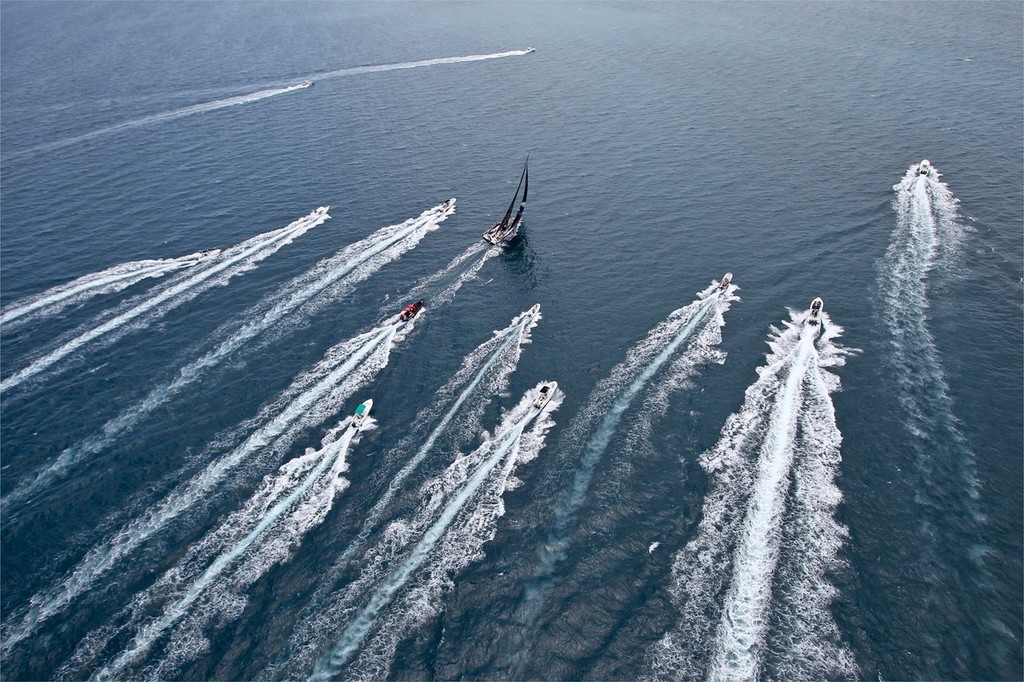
(305, 84)
(507, 228)
(529, 50)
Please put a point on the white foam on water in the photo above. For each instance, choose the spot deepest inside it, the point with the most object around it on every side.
(52, 301)
(927, 236)
(696, 329)
(330, 279)
(439, 61)
(148, 307)
(762, 550)
(248, 98)
(484, 373)
(445, 499)
(313, 397)
(161, 117)
(207, 587)
(927, 241)
(456, 266)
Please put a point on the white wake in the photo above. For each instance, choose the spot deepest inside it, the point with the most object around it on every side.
(323, 284)
(412, 566)
(757, 529)
(207, 587)
(484, 373)
(313, 397)
(248, 98)
(687, 340)
(152, 305)
(57, 299)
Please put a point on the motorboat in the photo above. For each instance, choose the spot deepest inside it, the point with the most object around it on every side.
(547, 391)
(305, 84)
(506, 228)
(814, 314)
(410, 311)
(201, 256)
(361, 413)
(529, 50)
(534, 311)
(924, 168)
(726, 281)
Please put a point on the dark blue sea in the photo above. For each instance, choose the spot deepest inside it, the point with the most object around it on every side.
(718, 488)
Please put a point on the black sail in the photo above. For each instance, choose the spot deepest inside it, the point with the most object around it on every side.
(508, 213)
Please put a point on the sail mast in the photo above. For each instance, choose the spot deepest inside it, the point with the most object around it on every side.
(508, 213)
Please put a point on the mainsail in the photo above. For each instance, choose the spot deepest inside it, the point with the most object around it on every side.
(507, 227)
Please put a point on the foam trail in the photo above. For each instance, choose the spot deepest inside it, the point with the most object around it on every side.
(53, 301)
(328, 280)
(484, 372)
(927, 236)
(257, 536)
(927, 239)
(744, 619)
(311, 398)
(162, 117)
(608, 404)
(505, 443)
(439, 61)
(148, 307)
(255, 97)
(762, 553)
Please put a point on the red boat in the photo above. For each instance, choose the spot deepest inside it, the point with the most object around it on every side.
(411, 310)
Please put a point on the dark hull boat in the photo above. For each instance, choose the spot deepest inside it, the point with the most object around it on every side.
(507, 228)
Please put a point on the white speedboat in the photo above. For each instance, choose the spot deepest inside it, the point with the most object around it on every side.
(924, 168)
(534, 311)
(814, 314)
(529, 50)
(361, 413)
(547, 391)
(726, 281)
(305, 84)
(195, 259)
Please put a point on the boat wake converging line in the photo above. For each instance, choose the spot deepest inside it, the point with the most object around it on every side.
(313, 397)
(147, 307)
(696, 326)
(327, 281)
(152, 119)
(248, 98)
(451, 546)
(484, 372)
(439, 61)
(752, 587)
(208, 585)
(53, 301)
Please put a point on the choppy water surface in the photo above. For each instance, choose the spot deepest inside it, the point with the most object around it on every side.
(717, 488)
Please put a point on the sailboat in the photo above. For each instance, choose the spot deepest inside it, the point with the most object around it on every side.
(505, 229)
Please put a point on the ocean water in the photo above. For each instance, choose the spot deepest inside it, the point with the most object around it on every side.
(717, 489)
